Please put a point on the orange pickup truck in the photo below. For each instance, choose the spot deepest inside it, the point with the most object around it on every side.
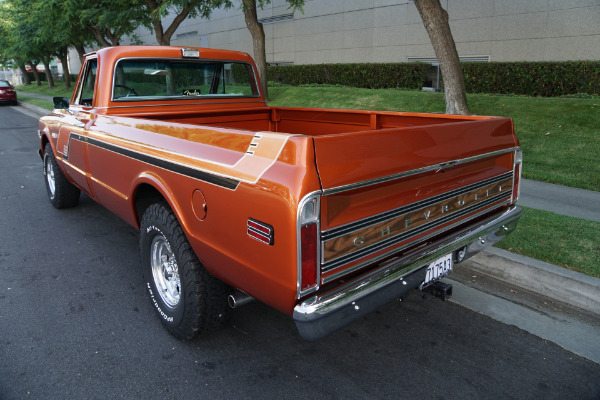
(325, 215)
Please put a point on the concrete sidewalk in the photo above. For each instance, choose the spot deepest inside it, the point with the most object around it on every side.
(578, 203)
(573, 288)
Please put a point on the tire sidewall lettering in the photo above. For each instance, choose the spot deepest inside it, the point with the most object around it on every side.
(169, 316)
(162, 314)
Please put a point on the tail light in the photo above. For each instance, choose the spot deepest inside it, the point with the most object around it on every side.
(308, 237)
(308, 245)
(517, 170)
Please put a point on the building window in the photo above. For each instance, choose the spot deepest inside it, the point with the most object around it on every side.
(276, 19)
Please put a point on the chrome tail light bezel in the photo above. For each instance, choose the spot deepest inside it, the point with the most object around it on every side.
(517, 172)
(308, 220)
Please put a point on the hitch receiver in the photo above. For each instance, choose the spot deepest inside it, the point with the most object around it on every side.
(440, 290)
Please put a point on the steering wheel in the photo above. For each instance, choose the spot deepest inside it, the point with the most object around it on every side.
(131, 91)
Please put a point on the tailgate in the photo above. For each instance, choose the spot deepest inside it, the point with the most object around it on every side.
(390, 190)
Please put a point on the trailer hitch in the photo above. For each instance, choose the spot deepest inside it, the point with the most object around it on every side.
(440, 290)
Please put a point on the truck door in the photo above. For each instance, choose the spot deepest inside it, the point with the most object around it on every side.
(72, 140)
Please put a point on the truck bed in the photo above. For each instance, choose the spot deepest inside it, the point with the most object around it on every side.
(357, 148)
(307, 121)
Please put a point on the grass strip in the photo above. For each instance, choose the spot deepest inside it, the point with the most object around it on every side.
(48, 105)
(58, 91)
(568, 242)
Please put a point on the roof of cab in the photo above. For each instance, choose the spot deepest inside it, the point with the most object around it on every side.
(117, 52)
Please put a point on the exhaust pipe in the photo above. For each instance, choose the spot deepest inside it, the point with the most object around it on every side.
(239, 299)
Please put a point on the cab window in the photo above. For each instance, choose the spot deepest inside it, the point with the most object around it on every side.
(85, 94)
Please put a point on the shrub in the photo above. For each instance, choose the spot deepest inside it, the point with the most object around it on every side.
(371, 76)
(522, 78)
(533, 78)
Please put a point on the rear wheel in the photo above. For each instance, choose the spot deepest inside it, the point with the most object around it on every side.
(61, 192)
(187, 299)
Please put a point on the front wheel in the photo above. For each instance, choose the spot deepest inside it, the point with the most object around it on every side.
(61, 192)
(187, 299)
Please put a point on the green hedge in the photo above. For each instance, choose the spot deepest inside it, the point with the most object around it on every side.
(372, 76)
(522, 78)
(547, 79)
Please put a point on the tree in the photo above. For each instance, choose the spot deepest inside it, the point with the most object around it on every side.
(258, 42)
(182, 9)
(107, 20)
(258, 35)
(435, 19)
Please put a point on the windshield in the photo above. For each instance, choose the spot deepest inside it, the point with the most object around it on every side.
(176, 79)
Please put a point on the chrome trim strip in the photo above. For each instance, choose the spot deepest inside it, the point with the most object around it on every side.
(443, 165)
(322, 314)
(373, 260)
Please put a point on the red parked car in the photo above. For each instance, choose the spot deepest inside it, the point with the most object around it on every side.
(7, 93)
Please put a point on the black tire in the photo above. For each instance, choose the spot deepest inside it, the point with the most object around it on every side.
(61, 192)
(187, 299)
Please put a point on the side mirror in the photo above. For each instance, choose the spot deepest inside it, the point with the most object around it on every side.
(61, 103)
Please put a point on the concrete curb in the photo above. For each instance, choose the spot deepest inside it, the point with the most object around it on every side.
(564, 285)
(34, 109)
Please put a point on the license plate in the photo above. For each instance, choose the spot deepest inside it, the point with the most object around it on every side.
(439, 268)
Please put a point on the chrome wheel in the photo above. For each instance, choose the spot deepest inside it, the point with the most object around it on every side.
(165, 271)
(50, 178)
(61, 192)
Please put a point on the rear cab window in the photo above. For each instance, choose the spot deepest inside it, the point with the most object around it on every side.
(172, 79)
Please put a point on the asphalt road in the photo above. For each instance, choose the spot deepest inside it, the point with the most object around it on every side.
(75, 323)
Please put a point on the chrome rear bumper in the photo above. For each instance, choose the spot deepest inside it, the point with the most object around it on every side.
(325, 313)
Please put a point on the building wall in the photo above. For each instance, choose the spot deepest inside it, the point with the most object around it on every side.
(339, 31)
(334, 31)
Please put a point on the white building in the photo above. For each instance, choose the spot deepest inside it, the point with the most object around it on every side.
(348, 31)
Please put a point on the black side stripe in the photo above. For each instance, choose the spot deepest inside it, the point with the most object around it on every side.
(228, 183)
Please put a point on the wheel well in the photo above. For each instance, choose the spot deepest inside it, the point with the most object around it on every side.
(145, 195)
(45, 141)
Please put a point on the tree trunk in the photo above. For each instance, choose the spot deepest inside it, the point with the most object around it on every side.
(159, 33)
(65, 64)
(35, 73)
(435, 19)
(114, 38)
(258, 42)
(49, 78)
(163, 37)
(81, 52)
(100, 37)
(26, 79)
